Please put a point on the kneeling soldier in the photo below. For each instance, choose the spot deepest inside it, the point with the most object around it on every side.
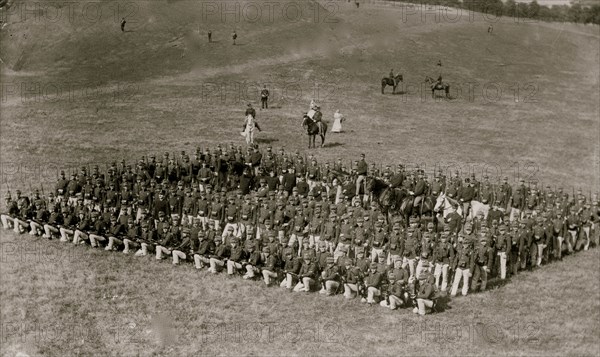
(330, 278)
(372, 282)
(352, 278)
(426, 294)
(307, 274)
(396, 292)
(291, 268)
(269, 271)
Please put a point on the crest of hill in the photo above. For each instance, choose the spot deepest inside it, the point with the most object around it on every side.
(161, 37)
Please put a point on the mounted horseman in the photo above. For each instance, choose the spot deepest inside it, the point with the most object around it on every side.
(392, 81)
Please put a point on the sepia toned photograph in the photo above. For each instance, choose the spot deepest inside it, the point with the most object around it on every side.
(299, 178)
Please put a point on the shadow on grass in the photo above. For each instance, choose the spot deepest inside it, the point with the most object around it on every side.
(265, 140)
(333, 145)
(400, 93)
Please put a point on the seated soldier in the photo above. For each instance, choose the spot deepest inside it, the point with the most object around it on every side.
(11, 213)
(55, 220)
(307, 274)
(217, 260)
(178, 252)
(236, 257)
(254, 260)
(169, 239)
(206, 247)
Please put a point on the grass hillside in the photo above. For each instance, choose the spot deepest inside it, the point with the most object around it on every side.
(124, 87)
(76, 92)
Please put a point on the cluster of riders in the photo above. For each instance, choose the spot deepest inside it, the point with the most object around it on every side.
(385, 236)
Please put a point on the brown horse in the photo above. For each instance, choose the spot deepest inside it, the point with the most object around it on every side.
(312, 129)
(393, 82)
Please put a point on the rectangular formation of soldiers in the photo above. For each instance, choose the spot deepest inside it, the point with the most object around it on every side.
(293, 223)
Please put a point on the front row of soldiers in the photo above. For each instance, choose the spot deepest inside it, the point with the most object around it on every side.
(404, 267)
(301, 266)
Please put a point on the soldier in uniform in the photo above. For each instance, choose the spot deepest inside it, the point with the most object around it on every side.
(372, 282)
(462, 263)
(426, 294)
(307, 274)
(480, 264)
(330, 276)
(443, 256)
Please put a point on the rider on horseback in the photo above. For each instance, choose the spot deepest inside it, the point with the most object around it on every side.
(392, 75)
(439, 80)
(419, 192)
(317, 118)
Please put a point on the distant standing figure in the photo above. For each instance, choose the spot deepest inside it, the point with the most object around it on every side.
(264, 98)
(234, 37)
(123, 22)
(209, 36)
(338, 119)
(490, 29)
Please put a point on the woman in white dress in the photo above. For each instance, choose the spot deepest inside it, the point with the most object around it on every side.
(338, 119)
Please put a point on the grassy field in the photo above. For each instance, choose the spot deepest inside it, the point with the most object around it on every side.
(77, 91)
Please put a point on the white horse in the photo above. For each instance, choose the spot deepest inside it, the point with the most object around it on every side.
(445, 204)
(477, 207)
(249, 126)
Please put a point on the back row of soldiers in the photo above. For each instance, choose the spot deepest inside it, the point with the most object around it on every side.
(289, 221)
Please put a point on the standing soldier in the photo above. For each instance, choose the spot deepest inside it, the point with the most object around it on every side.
(264, 98)
(443, 255)
(480, 265)
(209, 36)
(123, 22)
(462, 263)
(361, 171)
(234, 37)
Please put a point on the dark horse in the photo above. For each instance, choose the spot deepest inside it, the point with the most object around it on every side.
(312, 129)
(425, 207)
(386, 81)
(389, 199)
(437, 86)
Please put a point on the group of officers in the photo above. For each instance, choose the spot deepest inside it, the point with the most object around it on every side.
(289, 221)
